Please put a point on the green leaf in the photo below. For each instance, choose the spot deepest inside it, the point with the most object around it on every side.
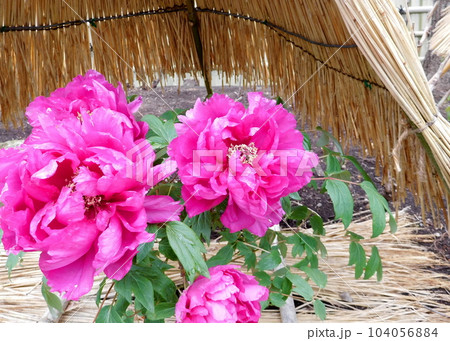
(162, 311)
(249, 255)
(188, 249)
(269, 261)
(354, 237)
(108, 314)
(374, 263)
(295, 196)
(357, 257)
(378, 207)
(318, 277)
(342, 200)
(143, 251)
(165, 131)
(286, 204)
(301, 286)
(99, 292)
(143, 291)
(166, 249)
(299, 213)
(222, 257)
(332, 138)
(13, 260)
(333, 165)
(201, 224)
(277, 299)
(298, 245)
(131, 98)
(123, 287)
(53, 301)
(306, 141)
(320, 310)
(263, 278)
(172, 115)
(317, 225)
(360, 169)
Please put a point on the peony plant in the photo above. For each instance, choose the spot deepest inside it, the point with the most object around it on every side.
(97, 192)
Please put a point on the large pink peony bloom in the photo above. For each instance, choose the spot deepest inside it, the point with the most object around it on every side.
(68, 193)
(228, 296)
(82, 95)
(252, 157)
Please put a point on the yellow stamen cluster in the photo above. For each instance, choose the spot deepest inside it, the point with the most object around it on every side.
(248, 152)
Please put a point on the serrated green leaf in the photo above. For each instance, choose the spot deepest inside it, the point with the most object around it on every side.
(162, 311)
(201, 224)
(357, 257)
(143, 251)
(53, 301)
(373, 265)
(188, 249)
(317, 276)
(300, 286)
(320, 310)
(378, 206)
(342, 200)
(277, 299)
(269, 261)
(123, 287)
(108, 314)
(223, 256)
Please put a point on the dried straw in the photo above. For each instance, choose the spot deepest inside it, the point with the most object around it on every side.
(361, 94)
(396, 299)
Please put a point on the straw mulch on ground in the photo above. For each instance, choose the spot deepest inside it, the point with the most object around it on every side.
(415, 285)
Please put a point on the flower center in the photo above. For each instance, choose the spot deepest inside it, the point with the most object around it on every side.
(248, 152)
(92, 205)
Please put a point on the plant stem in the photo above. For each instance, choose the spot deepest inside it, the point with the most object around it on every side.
(103, 301)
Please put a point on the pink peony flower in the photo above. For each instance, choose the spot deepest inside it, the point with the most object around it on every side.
(252, 157)
(67, 193)
(84, 95)
(228, 296)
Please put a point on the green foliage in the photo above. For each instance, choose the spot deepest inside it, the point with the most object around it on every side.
(201, 224)
(320, 310)
(300, 286)
(12, 261)
(161, 132)
(53, 301)
(342, 200)
(188, 249)
(358, 258)
(379, 207)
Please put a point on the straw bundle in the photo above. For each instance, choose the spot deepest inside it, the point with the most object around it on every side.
(302, 50)
(440, 41)
(395, 299)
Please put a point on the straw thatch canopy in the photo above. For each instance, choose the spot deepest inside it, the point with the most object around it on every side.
(351, 66)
